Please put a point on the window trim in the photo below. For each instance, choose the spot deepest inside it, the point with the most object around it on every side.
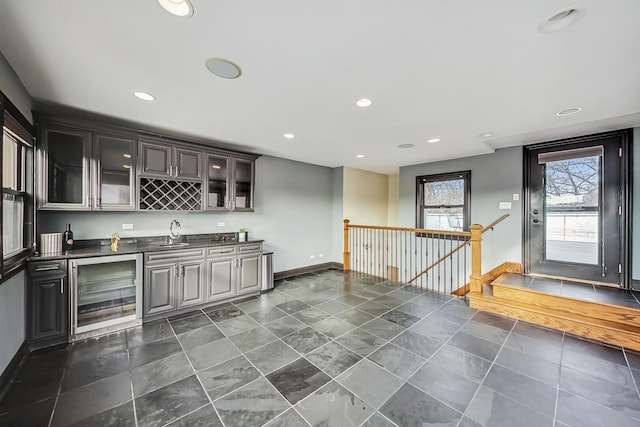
(19, 128)
(448, 176)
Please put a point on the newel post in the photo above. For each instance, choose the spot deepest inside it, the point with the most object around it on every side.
(345, 253)
(476, 258)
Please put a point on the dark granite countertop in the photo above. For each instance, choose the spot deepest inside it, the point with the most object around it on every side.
(132, 245)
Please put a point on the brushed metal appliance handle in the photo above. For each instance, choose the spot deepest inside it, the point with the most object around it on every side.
(62, 286)
(49, 268)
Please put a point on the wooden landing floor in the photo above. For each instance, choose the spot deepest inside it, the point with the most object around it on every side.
(604, 314)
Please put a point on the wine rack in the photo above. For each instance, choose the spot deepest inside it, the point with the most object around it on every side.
(169, 195)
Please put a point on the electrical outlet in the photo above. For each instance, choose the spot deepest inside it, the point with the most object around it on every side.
(321, 256)
(312, 257)
(221, 224)
(127, 226)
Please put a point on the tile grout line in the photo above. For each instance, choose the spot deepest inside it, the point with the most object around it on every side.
(194, 370)
(260, 376)
(133, 396)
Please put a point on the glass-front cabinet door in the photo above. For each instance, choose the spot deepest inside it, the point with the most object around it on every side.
(113, 177)
(65, 160)
(217, 183)
(243, 181)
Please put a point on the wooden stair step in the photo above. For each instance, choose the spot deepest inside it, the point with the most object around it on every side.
(569, 306)
(607, 331)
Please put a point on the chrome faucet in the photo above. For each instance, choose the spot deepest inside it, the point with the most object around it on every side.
(173, 234)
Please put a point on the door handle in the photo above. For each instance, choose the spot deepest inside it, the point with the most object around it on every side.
(62, 286)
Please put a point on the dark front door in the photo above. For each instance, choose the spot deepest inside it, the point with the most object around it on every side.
(575, 208)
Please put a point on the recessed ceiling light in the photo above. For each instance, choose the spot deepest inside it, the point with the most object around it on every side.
(360, 156)
(406, 145)
(177, 7)
(224, 68)
(485, 135)
(433, 140)
(561, 20)
(364, 103)
(289, 135)
(144, 96)
(569, 111)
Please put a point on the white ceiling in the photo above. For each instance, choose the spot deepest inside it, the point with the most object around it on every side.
(446, 69)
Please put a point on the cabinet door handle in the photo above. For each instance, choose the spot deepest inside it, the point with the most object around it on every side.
(182, 271)
(62, 286)
(177, 172)
(89, 201)
(49, 268)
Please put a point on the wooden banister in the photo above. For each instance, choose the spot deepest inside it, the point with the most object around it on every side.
(414, 230)
(476, 258)
(494, 223)
(345, 253)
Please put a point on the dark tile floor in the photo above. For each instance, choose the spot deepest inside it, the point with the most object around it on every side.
(330, 349)
(571, 289)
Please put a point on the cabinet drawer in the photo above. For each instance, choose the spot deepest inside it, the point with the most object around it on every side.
(47, 268)
(222, 250)
(250, 248)
(174, 255)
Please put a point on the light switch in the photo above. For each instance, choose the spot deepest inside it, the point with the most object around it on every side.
(505, 205)
(516, 197)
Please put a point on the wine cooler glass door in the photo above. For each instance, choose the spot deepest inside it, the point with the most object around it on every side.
(106, 293)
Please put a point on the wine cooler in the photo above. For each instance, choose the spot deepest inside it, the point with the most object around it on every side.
(106, 294)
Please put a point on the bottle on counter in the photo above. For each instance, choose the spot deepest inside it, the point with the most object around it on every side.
(67, 239)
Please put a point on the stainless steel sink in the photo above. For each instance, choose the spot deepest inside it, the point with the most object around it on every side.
(174, 245)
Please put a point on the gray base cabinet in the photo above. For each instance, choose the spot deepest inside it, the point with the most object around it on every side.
(173, 280)
(159, 289)
(250, 273)
(190, 277)
(191, 283)
(221, 278)
(48, 302)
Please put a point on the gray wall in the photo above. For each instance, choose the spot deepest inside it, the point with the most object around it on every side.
(12, 318)
(338, 227)
(494, 179)
(293, 214)
(12, 298)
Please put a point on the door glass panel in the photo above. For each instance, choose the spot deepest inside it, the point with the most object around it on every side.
(218, 171)
(65, 168)
(105, 291)
(572, 209)
(243, 185)
(115, 172)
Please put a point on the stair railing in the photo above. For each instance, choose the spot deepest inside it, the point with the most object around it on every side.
(438, 260)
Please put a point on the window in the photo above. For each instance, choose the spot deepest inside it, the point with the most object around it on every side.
(17, 193)
(443, 201)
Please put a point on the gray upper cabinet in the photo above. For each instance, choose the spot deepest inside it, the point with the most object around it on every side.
(162, 160)
(230, 183)
(64, 158)
(243, 179)
(84, 170)
(113, 177)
